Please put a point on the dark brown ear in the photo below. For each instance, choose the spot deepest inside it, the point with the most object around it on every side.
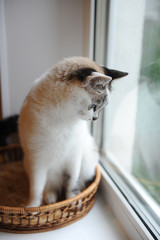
(114, 73)
(81, 74)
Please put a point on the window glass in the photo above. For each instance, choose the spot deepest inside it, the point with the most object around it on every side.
(131, 131)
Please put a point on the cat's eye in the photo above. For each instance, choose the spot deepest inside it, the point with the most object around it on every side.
(100, 87)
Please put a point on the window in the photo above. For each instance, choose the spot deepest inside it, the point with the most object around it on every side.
(127, 37)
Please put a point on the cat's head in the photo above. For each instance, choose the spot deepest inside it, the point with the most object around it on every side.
(93, 87)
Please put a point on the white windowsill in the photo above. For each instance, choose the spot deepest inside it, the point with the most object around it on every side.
(99, 223)
(122, 208)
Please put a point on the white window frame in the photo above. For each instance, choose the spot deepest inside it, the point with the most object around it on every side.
(122, 205)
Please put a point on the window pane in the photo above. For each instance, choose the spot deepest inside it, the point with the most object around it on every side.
(132, 118)
(146, 149)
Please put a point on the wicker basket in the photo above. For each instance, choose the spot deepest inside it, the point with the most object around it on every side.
(14, 217)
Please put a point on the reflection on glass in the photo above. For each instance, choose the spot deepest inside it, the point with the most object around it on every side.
(146, 150)
(132, 118)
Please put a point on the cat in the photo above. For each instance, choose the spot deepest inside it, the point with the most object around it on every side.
(59, 152)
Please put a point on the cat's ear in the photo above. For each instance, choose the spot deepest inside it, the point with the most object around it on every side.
(114, 74)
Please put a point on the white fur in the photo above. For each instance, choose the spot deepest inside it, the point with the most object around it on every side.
(55, 138)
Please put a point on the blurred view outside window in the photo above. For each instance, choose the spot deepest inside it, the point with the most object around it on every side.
(132, 118)
(146, 149)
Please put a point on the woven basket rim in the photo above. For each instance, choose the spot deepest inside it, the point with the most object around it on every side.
(10, 146)
(93, 186)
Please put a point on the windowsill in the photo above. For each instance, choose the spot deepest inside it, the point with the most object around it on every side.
(99, 223)
(123, 208)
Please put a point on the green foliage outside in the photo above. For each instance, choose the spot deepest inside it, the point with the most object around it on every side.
(150, 72)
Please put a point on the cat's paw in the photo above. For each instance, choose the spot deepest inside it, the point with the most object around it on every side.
(34, 203)
(50, 197)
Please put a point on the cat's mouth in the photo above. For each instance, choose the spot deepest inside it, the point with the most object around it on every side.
(94, 118)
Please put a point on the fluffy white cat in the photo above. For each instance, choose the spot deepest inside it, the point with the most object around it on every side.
(59, 153)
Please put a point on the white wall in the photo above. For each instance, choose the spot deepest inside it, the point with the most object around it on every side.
(36, 34)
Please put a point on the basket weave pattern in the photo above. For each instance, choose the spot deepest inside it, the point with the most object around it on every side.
(37, 219)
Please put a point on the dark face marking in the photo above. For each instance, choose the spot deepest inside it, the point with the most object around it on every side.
(81, 74)
(97, 89)
(93, 105)
(96, 86)
(100, 103)
(97, 105)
